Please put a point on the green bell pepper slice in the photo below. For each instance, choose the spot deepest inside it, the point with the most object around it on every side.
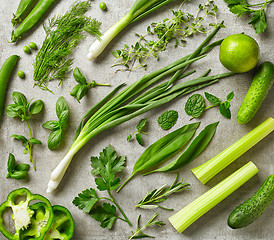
(62, 226)
(31, 221)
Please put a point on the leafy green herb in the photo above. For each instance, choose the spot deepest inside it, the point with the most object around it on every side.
(17, 171)
(139, 231)
(152, 199)
(81, 89)
(258, 16)
(24, 110)
(176, 29)
(57, 127)
(104, 167)
(63, 33)
(139, 132)
(195, 105)
(168, 119)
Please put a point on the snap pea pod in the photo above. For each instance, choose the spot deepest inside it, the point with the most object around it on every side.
(24, 6)
(195, 148)
(34, 16)
(5, 73)
(163, 148)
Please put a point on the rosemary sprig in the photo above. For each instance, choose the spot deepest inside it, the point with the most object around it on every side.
(63, 33)
(152, 199)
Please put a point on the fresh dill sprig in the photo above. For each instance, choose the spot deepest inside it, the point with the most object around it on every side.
(63, 33)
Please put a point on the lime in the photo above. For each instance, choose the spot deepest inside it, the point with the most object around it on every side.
(239, 53)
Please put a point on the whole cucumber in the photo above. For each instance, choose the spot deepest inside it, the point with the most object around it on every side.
(261, 84)
(250, 210)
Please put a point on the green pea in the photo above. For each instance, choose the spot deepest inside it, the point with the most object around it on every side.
(33, 45)
(103, 6)
(26, 49)
(21, 74)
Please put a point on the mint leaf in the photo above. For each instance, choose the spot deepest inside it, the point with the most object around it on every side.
(211, 98)
(141, 124)
(225, 111)
(230, 96)
(139, 139)
(168, 119)
(195, 105)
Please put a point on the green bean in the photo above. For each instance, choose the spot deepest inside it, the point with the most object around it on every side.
(24, 6)
(35, 15)
(5, 73)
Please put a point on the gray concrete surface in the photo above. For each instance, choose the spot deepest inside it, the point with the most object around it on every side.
(213, 224)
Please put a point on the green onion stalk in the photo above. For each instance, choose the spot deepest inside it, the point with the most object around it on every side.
(135, 100)
(140, 9)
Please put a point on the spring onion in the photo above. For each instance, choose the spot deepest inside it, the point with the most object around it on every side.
(210, 168)
(193, 211)
(140, 9)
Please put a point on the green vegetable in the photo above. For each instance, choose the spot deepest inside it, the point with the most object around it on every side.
(17, 171)
(168, 119)
(24, 110)
(62, 226)
(195, 105)
(139, 132)
(195, 148)
(102, 6)
(23, 8)
(5, 73)
(260, 86)
(33, 45)
(28, 216)
(258, 16)
(21, 74)
(140, 9)
(193, 211)
(162, 149)
(57, 127)
(32, 19)
(210, 168)
(247, 212)
(133, 101)
(152, 199)
(139, 231)
(159, 34)
(63, 33)
(105, 167)
(26, 49)
(81, 89)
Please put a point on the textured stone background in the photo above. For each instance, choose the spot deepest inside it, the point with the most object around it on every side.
(211, 226)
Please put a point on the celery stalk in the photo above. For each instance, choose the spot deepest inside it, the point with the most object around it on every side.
(189, 214)
(210, 168)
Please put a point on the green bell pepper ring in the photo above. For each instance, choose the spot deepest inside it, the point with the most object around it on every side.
(62, 226)
(30, 221)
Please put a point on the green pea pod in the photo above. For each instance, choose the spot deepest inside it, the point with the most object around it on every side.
(163, 148)
(195, 148)
(24, 6)
(34, 16)
(5, 73)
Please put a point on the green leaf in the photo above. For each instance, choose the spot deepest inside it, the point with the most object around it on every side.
(61, 106)
(259, 21)
(22, 167)
(101, 184)
(141, 124)
(230, 96)
(225, 111)
(139, 139)
(11, 163)
(168, 119)
(129, 137)
(51, 125)
(10, 111)
(19, 175)
(195, 105)
(79, 77)
(55, 139)
(36, 107)
(86, 200)
(63, 119)
(239, 10)
(20, 137)
(75, 90)
(81, 92)
(105, 214)
(211, 98)
(19, 98)
(34, 141)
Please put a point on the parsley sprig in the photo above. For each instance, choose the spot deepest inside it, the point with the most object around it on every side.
(104, 168)
(256, 11)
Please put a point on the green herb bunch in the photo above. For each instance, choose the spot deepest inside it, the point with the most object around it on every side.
(63, 33)
(17, 171)
(57, 126)
(104, 168)
(256, 11)
(178, 28)
(24, 110)
(142, 123)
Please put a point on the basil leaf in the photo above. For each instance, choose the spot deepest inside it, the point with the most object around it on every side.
(63, 119)
(51, 125)
(141, 124)
(22, 167)
(225, 111)
(81, 92)
(20, 137)
(61, 105)
(11, 163)
(34, 141)
(12, 111)
(36, 107)
(195, 105)
(211, 98)
(230, 96)
(79, 77)
(55, 139)
(19, 175)
(19, 98)
(75, 90)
